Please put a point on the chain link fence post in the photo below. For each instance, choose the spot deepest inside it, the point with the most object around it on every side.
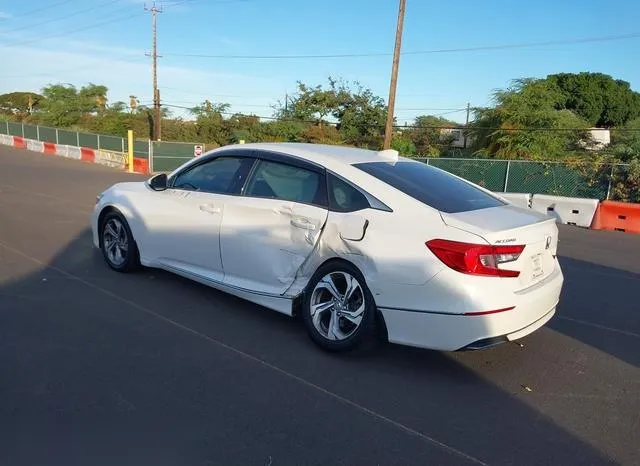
(98, 142)
(506, 176)
(613, 166)
(77, 139)
(57, 138)
(38, 132)
(150, 155)
(22, 125)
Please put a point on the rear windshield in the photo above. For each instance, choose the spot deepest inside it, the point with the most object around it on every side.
(436, 188)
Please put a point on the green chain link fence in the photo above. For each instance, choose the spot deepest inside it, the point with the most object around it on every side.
(576, 179)
(168, 156)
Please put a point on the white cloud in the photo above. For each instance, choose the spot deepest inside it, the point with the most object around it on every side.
(31, 69)
(5, 15)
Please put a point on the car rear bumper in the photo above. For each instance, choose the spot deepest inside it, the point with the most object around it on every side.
(452, 332)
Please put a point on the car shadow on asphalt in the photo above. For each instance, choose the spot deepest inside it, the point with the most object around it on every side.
(430, 392)
(599, 308)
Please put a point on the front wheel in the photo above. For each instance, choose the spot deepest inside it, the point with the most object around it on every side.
(116, 242)
(338, 309)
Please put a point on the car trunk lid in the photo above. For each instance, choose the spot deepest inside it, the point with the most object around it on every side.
(510, 225)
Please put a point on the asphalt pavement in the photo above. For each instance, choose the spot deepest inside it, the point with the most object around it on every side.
(103, 368)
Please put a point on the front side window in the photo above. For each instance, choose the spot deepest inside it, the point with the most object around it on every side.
(282, 181)
(223, 175)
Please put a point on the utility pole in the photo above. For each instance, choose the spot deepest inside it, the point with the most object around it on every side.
(388, 130)
(466, 125)
(157, 119)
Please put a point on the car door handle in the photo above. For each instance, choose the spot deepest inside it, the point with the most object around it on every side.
(303, 223)
(210, 208)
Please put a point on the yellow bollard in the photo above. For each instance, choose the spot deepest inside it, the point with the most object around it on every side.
(130, 150)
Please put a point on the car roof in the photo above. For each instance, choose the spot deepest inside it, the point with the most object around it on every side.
(323, 154)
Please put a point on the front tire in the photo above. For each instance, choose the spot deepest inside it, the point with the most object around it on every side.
(117, 244)
(338, 309)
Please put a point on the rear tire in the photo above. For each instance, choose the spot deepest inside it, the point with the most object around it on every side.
(117, 244)
(338, 309)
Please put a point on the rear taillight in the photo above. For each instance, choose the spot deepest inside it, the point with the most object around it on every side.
(476, 259)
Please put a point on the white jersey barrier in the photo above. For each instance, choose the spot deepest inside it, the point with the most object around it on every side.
(6, 140)
(62, 150)
(517, 199)
(35, 146)
(74, 153)
(569, 210)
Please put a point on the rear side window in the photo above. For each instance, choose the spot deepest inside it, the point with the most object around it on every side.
(345, 198)
(287, 182)
(433, 187)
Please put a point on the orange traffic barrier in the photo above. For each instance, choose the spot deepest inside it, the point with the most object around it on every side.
(617, 216)
(140, 166)
(19, 142)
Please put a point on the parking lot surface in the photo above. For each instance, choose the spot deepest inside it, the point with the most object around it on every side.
(103, 368)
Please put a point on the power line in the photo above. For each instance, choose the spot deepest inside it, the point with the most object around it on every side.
(461, 126)
(585, 40)
(39, 10)
(73, 31)
(60, 18)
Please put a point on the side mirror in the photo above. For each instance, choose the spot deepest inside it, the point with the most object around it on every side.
(158, 182)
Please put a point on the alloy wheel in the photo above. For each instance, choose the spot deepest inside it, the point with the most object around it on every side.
(115, 242)
(337, 306)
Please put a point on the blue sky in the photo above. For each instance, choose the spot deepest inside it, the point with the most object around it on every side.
(104, 41)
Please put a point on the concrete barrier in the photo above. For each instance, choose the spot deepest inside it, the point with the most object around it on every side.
(6, 140)
(568, 210)
(517, 199)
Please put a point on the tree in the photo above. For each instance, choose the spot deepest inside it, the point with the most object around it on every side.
(525, 123)
(427, 135)
(598, 98)
(625, 142)
(65, 106)
(360, 114)
(311, 103)
(210, 123)
(19, 104)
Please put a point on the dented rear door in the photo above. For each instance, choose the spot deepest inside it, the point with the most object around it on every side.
(269, 231)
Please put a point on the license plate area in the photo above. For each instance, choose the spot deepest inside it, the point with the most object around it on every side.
(536, 266)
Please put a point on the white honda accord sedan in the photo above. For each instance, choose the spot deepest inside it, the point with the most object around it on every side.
(353, 240)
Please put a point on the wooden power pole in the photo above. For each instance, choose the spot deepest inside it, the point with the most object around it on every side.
(466, 124)
(157, 118)
(388, 130)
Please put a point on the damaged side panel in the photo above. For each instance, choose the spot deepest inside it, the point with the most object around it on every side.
(341, 238)
(387, 252)
(264, 242)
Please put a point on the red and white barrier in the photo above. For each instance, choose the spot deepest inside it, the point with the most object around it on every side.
(85, 154)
